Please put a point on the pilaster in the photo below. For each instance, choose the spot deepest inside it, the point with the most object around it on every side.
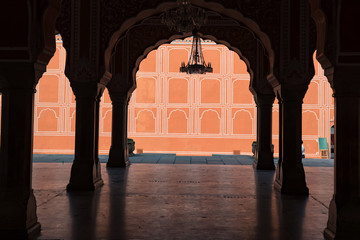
(290, 175)
(264, 155)
(85, 171)
(18, 218)
(344, 218)
(119, 154)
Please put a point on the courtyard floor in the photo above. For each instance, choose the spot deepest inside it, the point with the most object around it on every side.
(218, 197)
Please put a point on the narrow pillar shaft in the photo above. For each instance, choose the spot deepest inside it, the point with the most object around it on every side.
(280, 141)
(264, 158)
(17, 201)
(344, 217)
(97, 116)
(85, 172)
(290, 177)
(119, 155)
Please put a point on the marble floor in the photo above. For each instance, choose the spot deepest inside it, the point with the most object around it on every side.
(180, 201)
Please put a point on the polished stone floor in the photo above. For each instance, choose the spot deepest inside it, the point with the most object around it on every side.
(180, 201)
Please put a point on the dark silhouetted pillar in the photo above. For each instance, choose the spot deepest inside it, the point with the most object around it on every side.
(344, 209)
(85, 171)
(264, 156)
(119, 155)
(17, 202)
(290, 175)
(97, 116)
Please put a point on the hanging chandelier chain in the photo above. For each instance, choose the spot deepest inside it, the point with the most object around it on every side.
(185, 18)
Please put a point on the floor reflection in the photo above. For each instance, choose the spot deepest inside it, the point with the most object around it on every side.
(152, 201)
(117, 193)
(83, 211)
(278, 216)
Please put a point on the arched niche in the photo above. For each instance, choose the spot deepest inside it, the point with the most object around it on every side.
(310, 122)
(210, 121)
(47, 120)
(242, 122)
(145, 121)
(178, 121)
(107, 121)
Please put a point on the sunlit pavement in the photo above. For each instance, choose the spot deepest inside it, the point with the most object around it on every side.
(156, 158)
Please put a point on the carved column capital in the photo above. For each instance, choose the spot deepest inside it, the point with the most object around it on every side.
(119, 97)
(264, 99)
(346, 83)
(19, 75)
(291, 92)
(86, 90)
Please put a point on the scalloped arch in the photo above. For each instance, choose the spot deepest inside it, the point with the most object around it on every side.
(216, 7)
(177, 36)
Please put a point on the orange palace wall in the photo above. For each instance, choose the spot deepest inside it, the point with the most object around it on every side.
(172, 112)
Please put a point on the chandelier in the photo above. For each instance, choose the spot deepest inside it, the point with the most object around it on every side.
(185, 18)
(196, 63)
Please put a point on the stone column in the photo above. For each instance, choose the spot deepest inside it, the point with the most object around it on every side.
(290, 175)
(344, 209)
(97, 115)
(264, 156)
(18, 217)
(85, 172)
(119, 154)
(280, 134)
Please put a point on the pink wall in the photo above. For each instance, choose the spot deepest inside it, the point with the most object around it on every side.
(178, 113)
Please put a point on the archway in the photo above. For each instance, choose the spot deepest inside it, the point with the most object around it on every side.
(183, 105)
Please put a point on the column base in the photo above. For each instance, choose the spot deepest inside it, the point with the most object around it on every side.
(343, 223)
(118, 159)
(12, 216)
(75, 187)
(113, 164)
(84, 178)
(264, 161)
(296, 189)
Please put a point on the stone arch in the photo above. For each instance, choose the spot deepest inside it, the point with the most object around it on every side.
(319, 18)
(178, 36)
(215, 7)
(48, 29)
